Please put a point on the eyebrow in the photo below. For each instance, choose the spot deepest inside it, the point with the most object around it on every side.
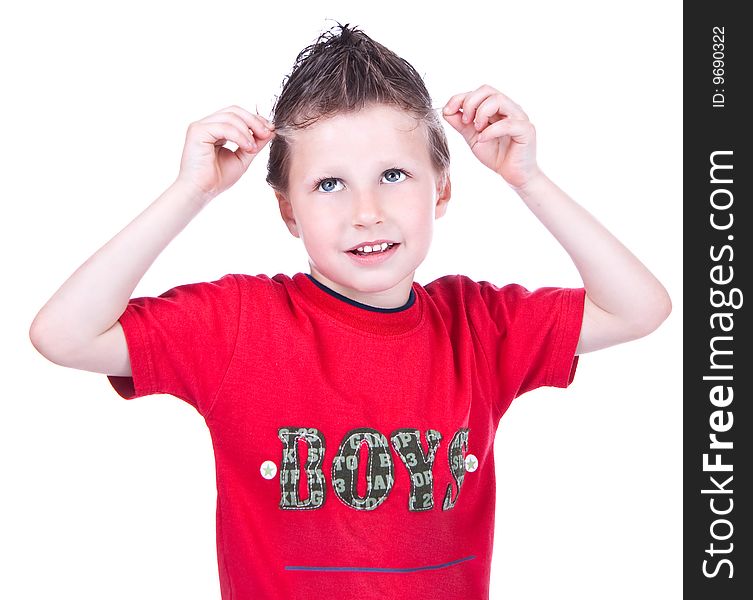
(404, 163)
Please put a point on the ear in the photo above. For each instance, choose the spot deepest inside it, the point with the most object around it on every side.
(444, 191)
(286, 212)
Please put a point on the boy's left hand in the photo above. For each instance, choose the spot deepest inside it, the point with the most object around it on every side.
(498, 132)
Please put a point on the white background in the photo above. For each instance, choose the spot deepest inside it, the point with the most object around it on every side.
(105, 498)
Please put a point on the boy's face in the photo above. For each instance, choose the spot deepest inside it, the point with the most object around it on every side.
(364, 177)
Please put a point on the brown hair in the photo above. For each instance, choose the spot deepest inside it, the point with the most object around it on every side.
(345, 71)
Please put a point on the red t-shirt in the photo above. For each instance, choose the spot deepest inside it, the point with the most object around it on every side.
(353, 445)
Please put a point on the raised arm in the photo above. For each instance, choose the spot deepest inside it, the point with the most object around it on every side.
(78, 326)
(624, 301)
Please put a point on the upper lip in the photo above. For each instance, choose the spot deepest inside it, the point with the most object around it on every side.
(375, 243)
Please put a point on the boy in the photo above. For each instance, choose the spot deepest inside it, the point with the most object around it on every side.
(352, 410)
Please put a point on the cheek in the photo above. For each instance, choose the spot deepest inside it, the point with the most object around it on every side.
(420, 224)
(320, 227)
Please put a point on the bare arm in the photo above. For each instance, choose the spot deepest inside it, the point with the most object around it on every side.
(91, 300)
(78, 327)
(624, 301)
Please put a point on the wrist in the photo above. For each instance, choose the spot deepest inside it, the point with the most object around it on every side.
(533, 183)
(191, 192)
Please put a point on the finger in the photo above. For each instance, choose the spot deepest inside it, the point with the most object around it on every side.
(246, 115)
(260, 126)
(487, 112)
(474, 99)
(220, 132)
(456, 121)
(506, 108)
(253, 123)
(243, 136)
(243, 156)
(454, 104)
(509, 108)
(520, 130)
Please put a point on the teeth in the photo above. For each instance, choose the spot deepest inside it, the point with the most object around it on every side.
(376, 248)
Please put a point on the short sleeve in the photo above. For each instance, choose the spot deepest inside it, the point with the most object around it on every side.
(181, 342)
(531, 337)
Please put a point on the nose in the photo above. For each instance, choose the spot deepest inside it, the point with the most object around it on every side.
(367, 209)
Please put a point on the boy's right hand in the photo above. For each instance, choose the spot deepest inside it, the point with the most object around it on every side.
(210, 168)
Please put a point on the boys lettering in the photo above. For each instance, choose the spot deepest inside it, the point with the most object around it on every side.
(379, 467)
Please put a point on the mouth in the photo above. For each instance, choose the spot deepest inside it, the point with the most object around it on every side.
(367, 255)
(372, 247)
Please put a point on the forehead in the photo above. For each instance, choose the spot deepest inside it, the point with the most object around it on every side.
(377, 132)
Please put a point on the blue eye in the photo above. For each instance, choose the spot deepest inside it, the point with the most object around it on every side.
(394, 175)
(333, 184)
(328, 185)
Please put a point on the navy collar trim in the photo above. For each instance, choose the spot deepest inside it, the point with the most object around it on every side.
(339, 296)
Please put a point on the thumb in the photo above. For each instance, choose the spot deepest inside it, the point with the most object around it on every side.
(467, 130)
(246, 155)
(455, 119)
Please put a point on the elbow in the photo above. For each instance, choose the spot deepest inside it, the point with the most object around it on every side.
(667, 307)
(662, 308)
(36, 334)
(655, 313)
(40, 338)
(40, 328)
(48, 341)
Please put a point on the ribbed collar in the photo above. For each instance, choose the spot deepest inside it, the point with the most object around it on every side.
(371, 319)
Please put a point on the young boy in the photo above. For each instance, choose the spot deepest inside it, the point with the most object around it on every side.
(352, 410)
